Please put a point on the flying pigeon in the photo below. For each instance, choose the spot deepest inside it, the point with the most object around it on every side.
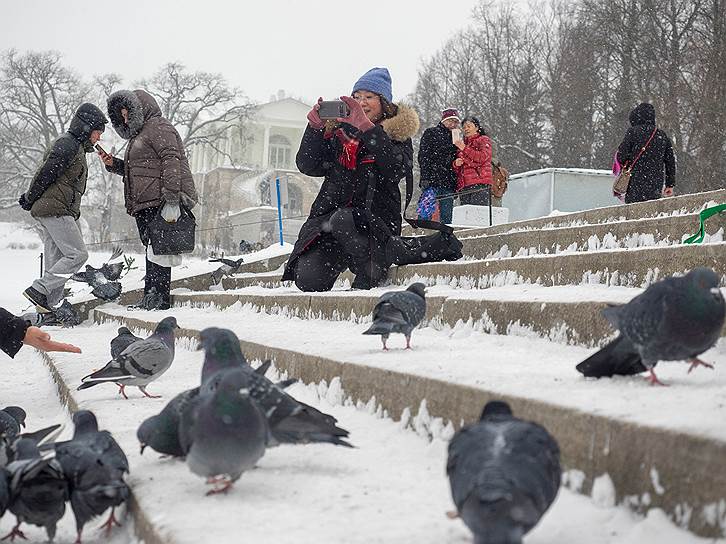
(94, 465)
(102, 287)
(123, 340)
(290, 421)
(504, 474)
(224, 433)
(675, 319)
(38, 490)
(399, 311)
(228, 268)
(139, 364)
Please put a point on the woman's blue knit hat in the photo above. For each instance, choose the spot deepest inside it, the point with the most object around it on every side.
(375, 80)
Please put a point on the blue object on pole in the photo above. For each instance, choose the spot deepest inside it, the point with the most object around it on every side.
(279, 209)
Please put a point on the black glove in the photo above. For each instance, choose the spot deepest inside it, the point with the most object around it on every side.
(24, 203)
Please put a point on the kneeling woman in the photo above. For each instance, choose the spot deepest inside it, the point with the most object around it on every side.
(363, 157)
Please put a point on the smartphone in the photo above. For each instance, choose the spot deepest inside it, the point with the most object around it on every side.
(332, 109)
(455, 135)
(100, 149)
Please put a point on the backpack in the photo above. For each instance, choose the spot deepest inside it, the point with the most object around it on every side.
(500, 179)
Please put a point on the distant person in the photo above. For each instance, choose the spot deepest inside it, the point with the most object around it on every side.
(14, 332)
(54, 201)
(436, 155)
(362, 155)
(157, 178)
(473, 164)
(653, 174)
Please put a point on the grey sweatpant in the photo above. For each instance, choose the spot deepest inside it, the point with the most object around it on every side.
(65, 253)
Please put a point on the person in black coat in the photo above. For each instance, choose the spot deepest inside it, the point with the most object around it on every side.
(436, 153)
(14, 332)
(362, 156)
(647, 181)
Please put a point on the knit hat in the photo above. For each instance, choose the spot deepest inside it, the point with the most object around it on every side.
(375, 80)
(450, 113)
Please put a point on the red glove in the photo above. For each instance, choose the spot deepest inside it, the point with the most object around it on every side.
(314, 119)
(357, 117)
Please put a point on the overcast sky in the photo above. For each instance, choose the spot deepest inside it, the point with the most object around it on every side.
(308, 48)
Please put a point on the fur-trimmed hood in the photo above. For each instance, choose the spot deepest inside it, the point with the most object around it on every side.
(141, 107)
(400, 127)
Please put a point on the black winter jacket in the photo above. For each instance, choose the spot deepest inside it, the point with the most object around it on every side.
(436, 153)
(12, 332)
(647, 178)
(385, 156)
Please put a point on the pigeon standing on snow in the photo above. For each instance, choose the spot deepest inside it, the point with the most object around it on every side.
(675, 319)
(123, 340)
(399, 311)
(224, 433)
(12, 418)
(228, 268)
(504, 474)
(139, 364)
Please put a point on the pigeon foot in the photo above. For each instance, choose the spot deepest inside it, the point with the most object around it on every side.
(16, 532)
(408, 342)
(226, 485)
(122, 390)
(110, 522)
(653, 379)
(78, 538)
(696, 362)
(147, 395)
(452, 514)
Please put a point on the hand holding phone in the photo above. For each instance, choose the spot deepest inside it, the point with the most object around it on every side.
(333, 109)
(105, 157)
(455, 135)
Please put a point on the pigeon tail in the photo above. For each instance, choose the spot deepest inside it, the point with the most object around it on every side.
(309, 425)
(380, 327)
(107, 291)
(619, 357)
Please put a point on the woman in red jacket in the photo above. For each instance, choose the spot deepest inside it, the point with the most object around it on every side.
(473, 164)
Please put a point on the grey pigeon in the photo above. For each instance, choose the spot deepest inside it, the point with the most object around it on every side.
(112, 271)
(290, 421)
(504, 474)
(228, 268)
(123, 340)
(102, 287)
(94, 466)
(399, 311)
(38, 490)
(4, 491)
(224, 433)
(139, 364)
(675, 319)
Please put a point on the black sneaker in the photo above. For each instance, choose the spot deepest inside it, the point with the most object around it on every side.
(39, 299)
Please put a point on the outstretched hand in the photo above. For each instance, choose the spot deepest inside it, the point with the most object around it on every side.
(42, 341)
(357, 117)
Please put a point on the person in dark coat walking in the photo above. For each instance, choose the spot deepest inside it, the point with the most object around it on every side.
(14, 332)
(54, 201)
(362, 156)
(436, 153)
(157, 178)
(647, 180)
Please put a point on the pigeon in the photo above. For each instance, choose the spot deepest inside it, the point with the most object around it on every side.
(399, 311)
(102, 287)
(139, 364)
(224, 433)
(291, 421)
(124, 339)
(4, 491)
(38, 490)
(675, 319)
(94, 466)
(504, 474)
(228, 268)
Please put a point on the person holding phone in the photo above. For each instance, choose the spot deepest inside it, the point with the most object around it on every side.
(156, 175)
(362, 156)
(436, 155)
(473, 164)
(54, 200)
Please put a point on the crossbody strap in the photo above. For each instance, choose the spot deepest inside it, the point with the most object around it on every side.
(644, 147)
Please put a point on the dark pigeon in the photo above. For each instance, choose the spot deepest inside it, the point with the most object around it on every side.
(139, 364)
(224, 432)
(399, 311)
(102, 287)
(228, 268)
(675, 319)
(504, 474)
(123, 340)
(290, 421)
(161, 432)
(38, 490)
(4, 491)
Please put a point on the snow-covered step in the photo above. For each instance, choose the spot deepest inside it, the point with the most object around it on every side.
(634, 432)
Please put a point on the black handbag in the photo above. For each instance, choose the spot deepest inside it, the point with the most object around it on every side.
(173, 238)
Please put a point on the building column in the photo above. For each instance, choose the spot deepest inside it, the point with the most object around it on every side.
(266, 148)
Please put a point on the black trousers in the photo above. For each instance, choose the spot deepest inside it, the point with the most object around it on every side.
(478, 195)
(344, 246)
(158, 277)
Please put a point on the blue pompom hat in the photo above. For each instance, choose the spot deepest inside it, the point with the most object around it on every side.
(376, 80)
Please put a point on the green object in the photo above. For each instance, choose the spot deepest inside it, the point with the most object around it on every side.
(705, 214)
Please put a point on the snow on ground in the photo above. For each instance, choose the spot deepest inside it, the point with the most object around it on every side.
(391, 488)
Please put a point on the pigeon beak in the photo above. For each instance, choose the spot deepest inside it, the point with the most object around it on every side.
(23, 424)
(143, 447)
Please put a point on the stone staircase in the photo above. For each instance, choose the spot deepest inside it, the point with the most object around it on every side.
(547, 277)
